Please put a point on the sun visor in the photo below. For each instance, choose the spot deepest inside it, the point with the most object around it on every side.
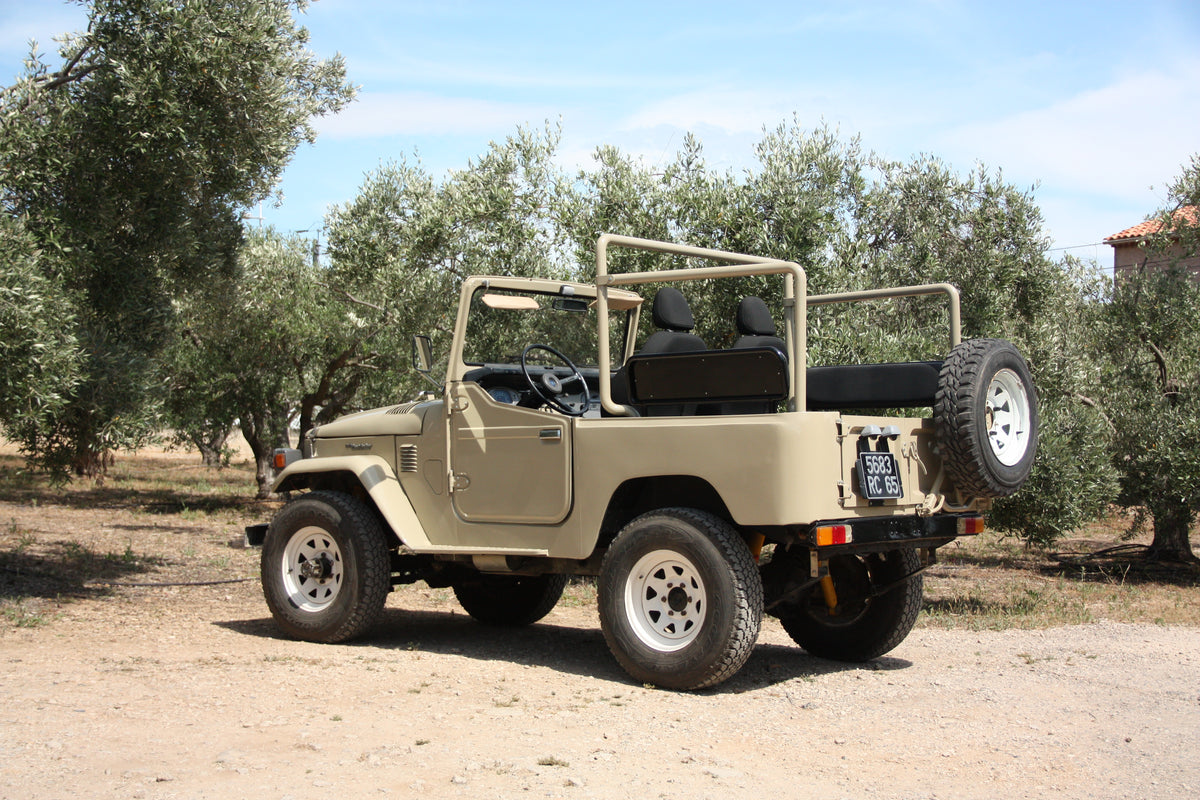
(510, 302)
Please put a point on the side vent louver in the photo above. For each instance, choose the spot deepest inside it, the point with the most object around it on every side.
(408, 458)
(403, 408)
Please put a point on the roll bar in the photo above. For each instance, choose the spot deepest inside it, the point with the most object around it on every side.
(741, 265)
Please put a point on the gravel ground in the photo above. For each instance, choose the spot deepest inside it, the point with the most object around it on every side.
(189, 692)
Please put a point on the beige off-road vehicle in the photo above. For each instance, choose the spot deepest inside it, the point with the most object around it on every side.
(701, 486)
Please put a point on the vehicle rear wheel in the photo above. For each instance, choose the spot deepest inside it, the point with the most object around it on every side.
(876, 607)
(986, 417)
(509, 599)
(324, 567)
(680, 599)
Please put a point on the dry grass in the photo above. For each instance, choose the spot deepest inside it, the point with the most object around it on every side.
(157, 517)
(994, 582)
(160, 516)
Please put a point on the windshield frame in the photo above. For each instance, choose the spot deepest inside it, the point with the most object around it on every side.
(546, 291)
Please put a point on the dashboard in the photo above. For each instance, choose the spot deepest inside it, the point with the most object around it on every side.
(503, 394)
(505, 384)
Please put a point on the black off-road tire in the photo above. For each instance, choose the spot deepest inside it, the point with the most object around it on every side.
(986, 416)
(509, 600)
(680, 599)
(325, 567)
(862, 627)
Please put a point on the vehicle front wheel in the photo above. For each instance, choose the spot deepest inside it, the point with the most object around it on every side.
(680, 599)
(878, 599)
(325, 572)
(509, 599)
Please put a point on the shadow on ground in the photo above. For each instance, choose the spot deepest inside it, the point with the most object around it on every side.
(567, 649)
(64, 569)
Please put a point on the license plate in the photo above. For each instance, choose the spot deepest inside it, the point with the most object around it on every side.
(879, 476)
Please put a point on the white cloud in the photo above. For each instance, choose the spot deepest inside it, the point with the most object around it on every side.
(382, 114)
(729, 110)
(1115, 141)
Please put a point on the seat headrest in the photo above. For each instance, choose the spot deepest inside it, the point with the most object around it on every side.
(671, 311)
(754, 318)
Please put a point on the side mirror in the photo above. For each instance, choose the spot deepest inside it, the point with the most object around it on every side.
(422, 354)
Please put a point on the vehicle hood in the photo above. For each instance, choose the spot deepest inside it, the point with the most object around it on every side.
(401, 420)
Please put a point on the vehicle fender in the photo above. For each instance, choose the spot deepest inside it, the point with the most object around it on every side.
(376, 477)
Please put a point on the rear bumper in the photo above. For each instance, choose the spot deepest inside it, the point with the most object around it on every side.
(859, 535)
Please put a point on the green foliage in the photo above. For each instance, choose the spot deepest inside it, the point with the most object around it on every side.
(803, 204)
(1149, 341)
(276, 344)
(229, 360)
(404, 244)
(39, 355)
(130, 164)
(1072, 480)
(850, 219)
(923, 222)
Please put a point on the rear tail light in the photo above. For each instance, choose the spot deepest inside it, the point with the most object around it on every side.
(970, 526)
(827, 535)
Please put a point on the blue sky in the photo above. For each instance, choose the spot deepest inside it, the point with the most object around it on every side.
(1098, 103)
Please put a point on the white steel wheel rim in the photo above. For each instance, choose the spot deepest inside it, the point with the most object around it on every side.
(312, 569)
(1008, 417)
(665, 601)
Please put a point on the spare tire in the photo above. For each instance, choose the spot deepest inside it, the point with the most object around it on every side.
(986, 415)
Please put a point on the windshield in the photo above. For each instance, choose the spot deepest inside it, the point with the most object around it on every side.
(502, 322)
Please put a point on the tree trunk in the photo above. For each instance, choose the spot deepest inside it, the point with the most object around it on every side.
(89, 463)
(263, 431)
(1171, 539)
(212, 448)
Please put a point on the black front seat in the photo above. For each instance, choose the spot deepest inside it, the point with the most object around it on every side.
(673, 317)
(756, 326)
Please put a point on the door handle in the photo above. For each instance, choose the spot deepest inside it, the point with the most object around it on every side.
(550, 434)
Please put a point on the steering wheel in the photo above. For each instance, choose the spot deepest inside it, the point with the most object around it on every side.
(550, 386)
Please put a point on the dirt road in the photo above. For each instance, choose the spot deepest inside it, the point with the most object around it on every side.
(187, 692)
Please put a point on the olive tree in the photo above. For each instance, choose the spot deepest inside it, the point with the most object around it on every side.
(853, 221)
(39, 355)
(129, 164)
(797, 205)
(278, 345)
(1149, 340)
(922, 222)
(406, 242)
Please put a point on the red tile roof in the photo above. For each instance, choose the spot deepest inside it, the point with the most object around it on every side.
(1190, 214)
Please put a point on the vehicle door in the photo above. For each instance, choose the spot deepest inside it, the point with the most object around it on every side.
(508, 464)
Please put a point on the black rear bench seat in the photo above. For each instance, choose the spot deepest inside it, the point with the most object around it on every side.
(706, 378)
(910, 384)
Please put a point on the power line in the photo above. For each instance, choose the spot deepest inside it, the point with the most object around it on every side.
(1076, 246)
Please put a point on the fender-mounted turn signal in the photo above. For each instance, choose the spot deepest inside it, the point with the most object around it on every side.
(284, 456)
